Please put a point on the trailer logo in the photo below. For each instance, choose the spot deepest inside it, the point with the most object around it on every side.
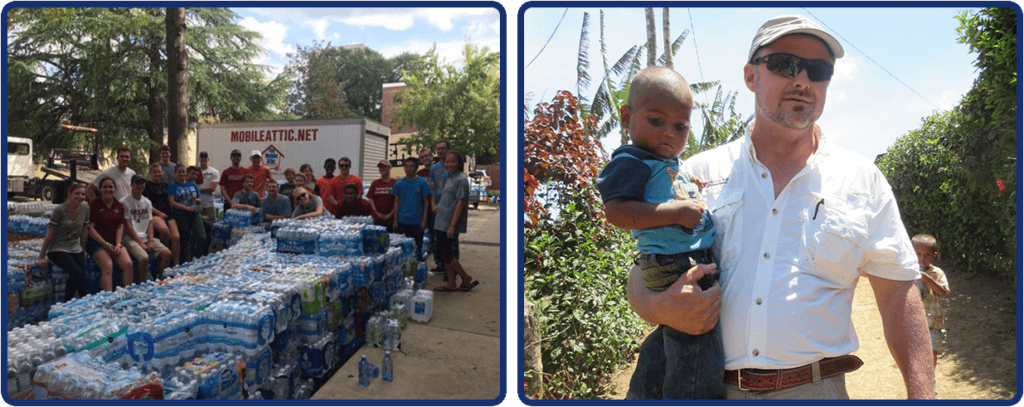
(272, 158)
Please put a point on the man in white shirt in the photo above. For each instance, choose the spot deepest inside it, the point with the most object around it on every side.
(211, 179)
(138, 237)
(120, 173)
(799, 219)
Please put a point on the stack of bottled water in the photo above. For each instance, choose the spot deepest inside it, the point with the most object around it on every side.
(32, 225)
(241, 218)
(358, 220)
(375, 239)
(80, 376)
(297, 239)
(340, 242)
(304, 388)
(261, 307)
(30, 208)
(162, 343)
(217, 375)
(282, 380)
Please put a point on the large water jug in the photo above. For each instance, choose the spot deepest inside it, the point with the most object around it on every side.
(422, 306)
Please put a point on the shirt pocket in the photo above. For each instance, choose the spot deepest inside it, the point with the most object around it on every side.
(727, 219)
(838, 232)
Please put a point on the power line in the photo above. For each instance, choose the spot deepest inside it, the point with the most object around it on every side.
(549, 38)
(693, 32)
(872, 60)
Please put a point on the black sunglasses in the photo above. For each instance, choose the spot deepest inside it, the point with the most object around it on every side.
(304, 196)
(790, 66)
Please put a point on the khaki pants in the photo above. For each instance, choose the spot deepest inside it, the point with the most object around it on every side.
(210, 214)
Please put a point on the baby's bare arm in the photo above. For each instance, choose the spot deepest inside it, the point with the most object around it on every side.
(633, 214)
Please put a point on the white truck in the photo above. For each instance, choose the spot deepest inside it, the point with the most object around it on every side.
(291, 143)
(62, 168)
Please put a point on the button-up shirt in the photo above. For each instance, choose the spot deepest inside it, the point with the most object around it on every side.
(790, 264)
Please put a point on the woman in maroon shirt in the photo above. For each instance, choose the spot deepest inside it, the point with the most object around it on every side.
(106, 227)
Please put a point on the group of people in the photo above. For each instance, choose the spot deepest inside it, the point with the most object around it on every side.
(750, 252)
(122, 217)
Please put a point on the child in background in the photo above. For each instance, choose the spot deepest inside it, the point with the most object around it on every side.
(933, 284)
(643, 190)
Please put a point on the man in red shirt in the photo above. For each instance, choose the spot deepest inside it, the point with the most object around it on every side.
(231, 178)
(426, 160)
(261, 174)
(380, 197)
(352, 204)
(344, 178)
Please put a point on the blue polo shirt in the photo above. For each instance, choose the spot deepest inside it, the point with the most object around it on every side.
(410, 199)
(637, 174)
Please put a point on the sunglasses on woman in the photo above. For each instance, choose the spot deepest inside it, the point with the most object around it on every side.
(788, 65)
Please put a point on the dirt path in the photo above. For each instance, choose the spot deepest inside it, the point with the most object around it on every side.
(980, 361)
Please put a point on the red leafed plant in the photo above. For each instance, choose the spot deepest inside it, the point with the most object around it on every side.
(560, 151)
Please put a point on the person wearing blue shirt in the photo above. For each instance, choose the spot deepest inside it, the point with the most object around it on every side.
(275, 206)
(438, 177)
(412, 204)
(183, 196)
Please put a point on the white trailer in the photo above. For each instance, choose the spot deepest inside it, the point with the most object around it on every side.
(291, 143)
(19, 163)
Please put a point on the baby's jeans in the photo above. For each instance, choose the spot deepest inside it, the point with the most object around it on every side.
(674, 364)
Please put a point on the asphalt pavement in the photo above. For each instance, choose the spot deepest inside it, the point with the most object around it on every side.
(457, 354)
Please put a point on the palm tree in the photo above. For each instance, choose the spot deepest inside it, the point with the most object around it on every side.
(614, 86)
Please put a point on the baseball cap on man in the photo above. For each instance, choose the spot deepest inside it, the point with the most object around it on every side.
(384, 163)
(791, 24)
(138, 179)
(256, 153)
(236, 152)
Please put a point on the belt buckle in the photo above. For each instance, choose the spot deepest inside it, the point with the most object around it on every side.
(739, 380)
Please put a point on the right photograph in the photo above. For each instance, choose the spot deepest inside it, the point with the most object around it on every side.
(800, 203)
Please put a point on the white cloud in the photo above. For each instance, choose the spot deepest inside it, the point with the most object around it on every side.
(272, 33)
(320, 26)
(847, 68)
(442, 17)
(394, 22)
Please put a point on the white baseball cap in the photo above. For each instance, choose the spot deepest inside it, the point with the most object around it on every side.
(792, 24)
(255, 153)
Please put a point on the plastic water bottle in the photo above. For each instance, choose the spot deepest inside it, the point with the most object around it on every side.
(392, 335)
(364, 371)
(387, 367)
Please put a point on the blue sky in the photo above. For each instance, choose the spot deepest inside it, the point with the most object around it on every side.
(389, 31)
(866, 108)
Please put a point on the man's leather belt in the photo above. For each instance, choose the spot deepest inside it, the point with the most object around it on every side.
(762, 380)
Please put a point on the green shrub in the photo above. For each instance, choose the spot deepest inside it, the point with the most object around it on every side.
(575, 274)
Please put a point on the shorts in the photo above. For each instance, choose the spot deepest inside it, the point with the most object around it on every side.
(937, 335)
(92, 247)
(138, 253)
(446, 248)
(662, 270)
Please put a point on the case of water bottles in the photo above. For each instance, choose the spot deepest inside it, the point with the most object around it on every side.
(241, 218)
(32, 225)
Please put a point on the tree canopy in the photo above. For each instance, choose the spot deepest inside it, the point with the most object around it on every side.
(462, 105)
(106, 68)
(338, 82)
